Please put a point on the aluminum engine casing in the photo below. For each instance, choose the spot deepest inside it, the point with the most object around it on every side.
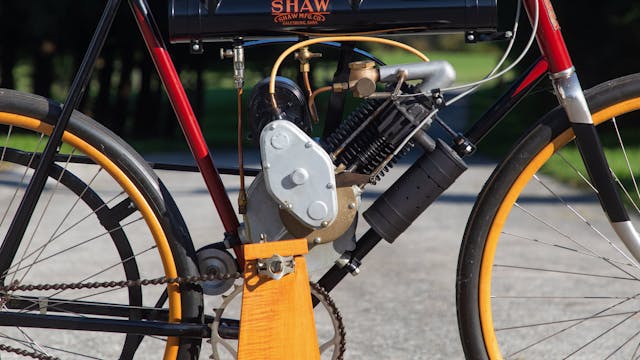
(263, 220)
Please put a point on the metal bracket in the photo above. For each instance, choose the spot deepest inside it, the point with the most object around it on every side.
(349, 262)
(472, 37)
(196, 47)
(276, 266)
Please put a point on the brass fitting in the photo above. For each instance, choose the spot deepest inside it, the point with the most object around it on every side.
(340, 87)
(304, 55)
(363, 77)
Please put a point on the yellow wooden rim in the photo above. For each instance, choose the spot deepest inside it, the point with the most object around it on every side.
(171, 349)
(484, 291)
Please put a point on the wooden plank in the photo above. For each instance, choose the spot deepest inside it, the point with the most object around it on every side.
(282, 248)
(277, 320)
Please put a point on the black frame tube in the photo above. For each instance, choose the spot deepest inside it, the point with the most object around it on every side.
(363, 246)
(147, 328)
(21, 220)
(501, 108)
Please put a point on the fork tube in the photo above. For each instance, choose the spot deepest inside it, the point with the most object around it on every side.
(571, 96)
(184, 113)
(31, 196)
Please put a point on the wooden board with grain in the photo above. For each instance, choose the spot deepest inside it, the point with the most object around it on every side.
(277, 321)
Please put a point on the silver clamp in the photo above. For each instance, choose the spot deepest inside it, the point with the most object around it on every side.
(276, 266)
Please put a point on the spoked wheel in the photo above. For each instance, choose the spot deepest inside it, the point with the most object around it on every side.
(105, 219)
(541, 273)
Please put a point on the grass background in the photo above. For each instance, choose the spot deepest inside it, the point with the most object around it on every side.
(219, 127)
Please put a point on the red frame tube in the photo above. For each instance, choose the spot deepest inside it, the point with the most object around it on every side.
(549, 36)
(184, 112)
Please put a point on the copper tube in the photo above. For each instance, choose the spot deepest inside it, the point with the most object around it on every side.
(312, 106)
(307, 83)
(291, 49)
(312, 103)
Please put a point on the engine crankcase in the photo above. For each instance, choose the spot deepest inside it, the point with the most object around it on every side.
(299, 174)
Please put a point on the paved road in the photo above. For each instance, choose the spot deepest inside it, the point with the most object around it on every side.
(402, 305)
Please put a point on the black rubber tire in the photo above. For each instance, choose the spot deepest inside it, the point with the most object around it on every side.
(493, 195)
(143, 178)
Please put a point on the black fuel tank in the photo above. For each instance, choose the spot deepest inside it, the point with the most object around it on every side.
(223, 19)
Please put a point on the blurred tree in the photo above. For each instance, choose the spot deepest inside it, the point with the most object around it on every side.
(50, 39)
(602, 37)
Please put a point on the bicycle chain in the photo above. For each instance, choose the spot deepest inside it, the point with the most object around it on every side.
(26, 353)
(341, 329)
(16, 286)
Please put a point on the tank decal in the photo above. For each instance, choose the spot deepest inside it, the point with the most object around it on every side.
(300, 12)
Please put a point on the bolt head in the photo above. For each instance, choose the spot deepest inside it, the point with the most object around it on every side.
(299, 176)
(317, 240)
(280, 140)
(318, 210)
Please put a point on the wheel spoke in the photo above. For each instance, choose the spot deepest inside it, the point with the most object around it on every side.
(578, 172)
(578, 322)
(612, 262)
(601, 335)
(77, 223)
(623, 345)
(587, 222)
(57, 349)
(626, 157)
(635, 352)
(75, 246)
(21, 183)
(565, 321)
(39, 222)
(6, 144)
(70, 301)
(558, 271)
(626, 193)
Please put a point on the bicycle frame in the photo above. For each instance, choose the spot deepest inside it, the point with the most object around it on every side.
(555, 61)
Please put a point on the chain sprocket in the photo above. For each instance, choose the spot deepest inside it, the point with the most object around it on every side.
(337, 341)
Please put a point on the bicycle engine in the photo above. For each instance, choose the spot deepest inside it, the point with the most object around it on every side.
(312, 189)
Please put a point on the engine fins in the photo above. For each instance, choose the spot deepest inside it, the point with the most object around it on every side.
(370, 148)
